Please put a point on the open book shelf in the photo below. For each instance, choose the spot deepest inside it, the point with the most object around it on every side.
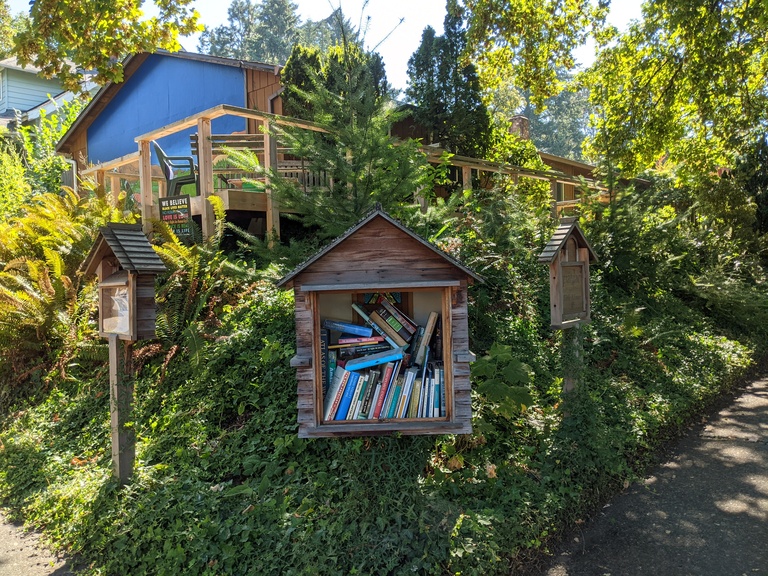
(423, 284)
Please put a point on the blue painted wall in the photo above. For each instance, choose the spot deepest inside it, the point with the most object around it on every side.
(165, 89)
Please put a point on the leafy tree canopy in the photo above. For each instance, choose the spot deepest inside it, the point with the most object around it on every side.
(446, 89)
(686, 86)
(527, 41)
(66, 37)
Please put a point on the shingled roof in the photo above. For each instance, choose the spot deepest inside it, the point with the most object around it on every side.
(376, 213)
(568, 227)
(129, 245)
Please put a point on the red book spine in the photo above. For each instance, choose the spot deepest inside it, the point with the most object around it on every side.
(384, 387)
(337, 400)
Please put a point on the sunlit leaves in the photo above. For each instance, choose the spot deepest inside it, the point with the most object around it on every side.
(67, 37)
(528, 40)
(687, 85)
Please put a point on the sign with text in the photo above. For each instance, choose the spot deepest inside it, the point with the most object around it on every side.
(175, 211)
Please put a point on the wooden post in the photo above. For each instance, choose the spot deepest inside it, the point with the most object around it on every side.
(553, 191)
(120, 407)
(273, 212)
(205, 174)
(145, 185)
(114, 187)
(570, 354)
(466, 177)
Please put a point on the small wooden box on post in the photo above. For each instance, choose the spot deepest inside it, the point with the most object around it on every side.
(380, 260)
(568, 254)
(126, 265)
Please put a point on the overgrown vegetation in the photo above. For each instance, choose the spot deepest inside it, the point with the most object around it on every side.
(223, 484)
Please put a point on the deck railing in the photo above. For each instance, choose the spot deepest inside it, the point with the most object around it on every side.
(137, 166)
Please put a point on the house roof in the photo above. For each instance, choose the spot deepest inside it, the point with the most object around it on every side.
(13, 64)
(129, 245)
(376, 213)
(568, 227)
(130, 66)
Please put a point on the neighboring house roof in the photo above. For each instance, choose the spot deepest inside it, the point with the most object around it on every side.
(130, 66)
(568, 227)
(13, 64)
(130, 246)
(377, 213)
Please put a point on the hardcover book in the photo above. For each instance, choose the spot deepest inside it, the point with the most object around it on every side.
(346, 398)
(347, 327)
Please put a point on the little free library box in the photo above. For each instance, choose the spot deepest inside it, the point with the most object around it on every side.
(382, 341)
(568, 255)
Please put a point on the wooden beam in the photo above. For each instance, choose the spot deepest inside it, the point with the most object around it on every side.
(112, 164)
(145, 185)
(205, 174)
(273, 213)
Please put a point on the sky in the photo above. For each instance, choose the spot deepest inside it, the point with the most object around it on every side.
(396, 41)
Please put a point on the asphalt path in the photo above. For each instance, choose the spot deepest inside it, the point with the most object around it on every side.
(703, 512)
(22, 554)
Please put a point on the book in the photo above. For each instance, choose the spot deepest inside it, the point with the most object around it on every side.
(374, 359)
(413, 404)
(437, 341)
(407, 323)
(390, 390)
(392, 409)
(441, 375)
(368, 399)
(393, 323)
(336, 390)
(357, 400)
(415, 341)
(347, 327)
(428, 330)
(353, 351)
(387, 329)
(405, 397)
(346, 398)
(324, 340)
(373, 325)
(347, 339)
(436, 402)
(332, 358)
(386, 378)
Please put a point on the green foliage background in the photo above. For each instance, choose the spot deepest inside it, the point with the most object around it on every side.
(225, 486)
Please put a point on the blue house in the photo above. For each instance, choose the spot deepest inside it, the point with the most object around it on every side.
(160, 89)
(21, 89)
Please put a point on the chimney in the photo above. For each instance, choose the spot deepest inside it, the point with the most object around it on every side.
(519, 126)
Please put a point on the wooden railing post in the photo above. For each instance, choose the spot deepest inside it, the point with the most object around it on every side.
(205, 173)
(273, 212)
(114, 187)
(553, 192)
(145, 185)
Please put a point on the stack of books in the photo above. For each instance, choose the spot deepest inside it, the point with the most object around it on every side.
(380, 369)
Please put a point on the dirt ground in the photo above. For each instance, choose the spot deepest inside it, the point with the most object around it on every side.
(22, 554)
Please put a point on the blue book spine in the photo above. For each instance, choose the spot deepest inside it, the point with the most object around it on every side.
(374, 359)
(348, 327)
(346, 399)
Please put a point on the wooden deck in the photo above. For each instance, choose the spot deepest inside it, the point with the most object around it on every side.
(137, 167)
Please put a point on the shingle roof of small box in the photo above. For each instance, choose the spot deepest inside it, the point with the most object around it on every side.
(568, 227)
(374, 214)
(129, 245)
